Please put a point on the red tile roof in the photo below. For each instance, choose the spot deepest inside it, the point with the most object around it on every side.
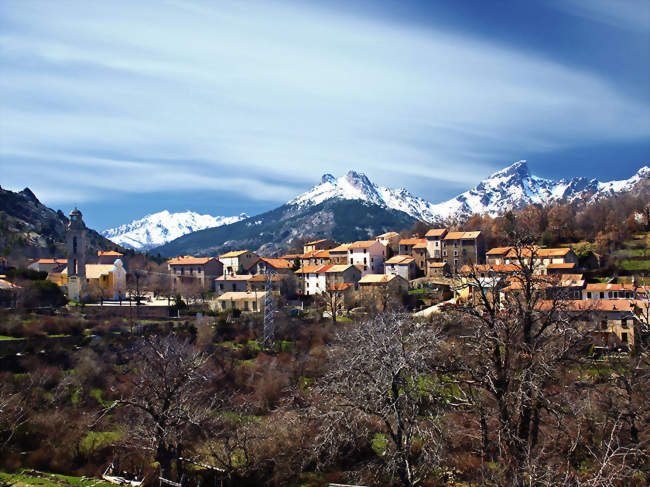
(362, 244)
(189, 260)
(277, 263)
(109, 252)
(436, 232)
(413, 241)
(400, 260)
(499, 251)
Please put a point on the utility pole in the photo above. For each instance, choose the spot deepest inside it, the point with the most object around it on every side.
(269, 312)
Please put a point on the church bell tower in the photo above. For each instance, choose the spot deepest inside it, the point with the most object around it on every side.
(76, 245)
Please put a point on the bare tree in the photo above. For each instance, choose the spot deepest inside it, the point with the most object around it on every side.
(516, 340)
(13, 413)
(332, 301)
(169, 398)
(382, 381)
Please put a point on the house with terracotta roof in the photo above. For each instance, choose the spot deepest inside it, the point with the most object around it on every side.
(107, 280)
(322, 244)
(278, 266)
(437, 269)
(460, 248)
(497, 255)
(294, 259)
(313, 279)
(231, 282)
(8, 293)
(542, 258)
(416, 248)
(343, 274)
(609, 291)
(610, 322)
(315, 257)
(246, 301)
(193, 271)
(379, 286)
(370, 254)
(549, 286)
(390, 241)
(238, 261)
(401, 265)
(339, 255)
(108, 256)
(258, 282)
(434, 243)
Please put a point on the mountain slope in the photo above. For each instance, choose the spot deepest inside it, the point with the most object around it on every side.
(30, 229)
(357, 186)
(270, 232)
(352, 207)
(510, 188)
(162, 227)
(515, 187)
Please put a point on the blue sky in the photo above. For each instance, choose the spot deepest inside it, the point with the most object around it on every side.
(127, 108)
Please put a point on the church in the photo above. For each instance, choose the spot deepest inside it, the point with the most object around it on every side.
(82, 280)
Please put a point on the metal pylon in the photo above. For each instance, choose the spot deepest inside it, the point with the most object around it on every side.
(269, 314)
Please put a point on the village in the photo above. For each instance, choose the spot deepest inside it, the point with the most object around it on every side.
(424, 274)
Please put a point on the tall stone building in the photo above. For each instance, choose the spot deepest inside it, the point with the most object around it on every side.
(76, 245)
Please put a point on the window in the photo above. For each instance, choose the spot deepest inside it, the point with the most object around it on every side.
(365, 261)
(602, 295)
(221, 286)
(624, 337)
(444, 253)
(589, 295)
(624, 324)
(455, 253)
(74, 245)
(245, 305)
(603, 324)
(254, 305)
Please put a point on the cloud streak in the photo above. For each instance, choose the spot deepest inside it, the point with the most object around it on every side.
(269, 95)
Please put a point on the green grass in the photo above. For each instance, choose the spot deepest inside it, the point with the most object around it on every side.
(379, 443)
(97, 395)
(418, 291)
(95, 440)
(633, 253)
(343, 319)
(635, 265)
(7, 338)
(28, 478)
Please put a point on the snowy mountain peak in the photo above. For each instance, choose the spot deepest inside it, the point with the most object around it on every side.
(357, 186)
(328, 178)
(509, 188)
(162, 227)
(518, 169)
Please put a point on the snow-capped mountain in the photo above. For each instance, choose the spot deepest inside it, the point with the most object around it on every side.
(509, 188)
(162, 227)
(357, 186)
(515, 187)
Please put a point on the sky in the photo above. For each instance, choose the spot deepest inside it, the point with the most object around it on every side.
(127, 108)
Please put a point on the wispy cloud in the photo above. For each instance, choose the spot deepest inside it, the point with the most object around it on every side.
(625, 14)
(269, 95)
